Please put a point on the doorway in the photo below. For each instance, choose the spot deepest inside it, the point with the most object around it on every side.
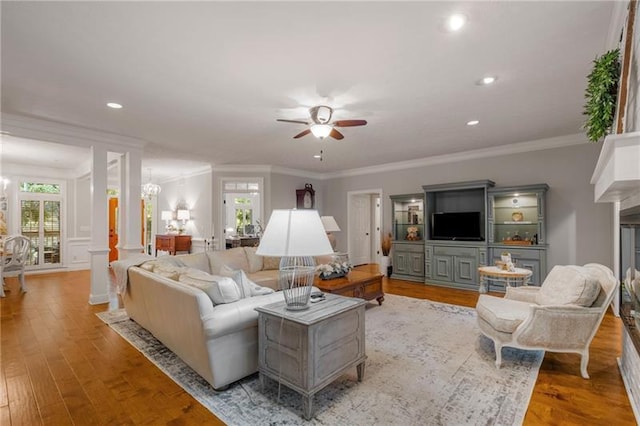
(364, 211)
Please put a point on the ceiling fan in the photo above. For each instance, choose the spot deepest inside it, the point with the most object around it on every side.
(320, 124)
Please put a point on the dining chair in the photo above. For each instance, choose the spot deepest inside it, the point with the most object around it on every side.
(14, 258)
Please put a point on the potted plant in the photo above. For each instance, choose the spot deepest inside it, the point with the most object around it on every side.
(601, 94)
(385, 268)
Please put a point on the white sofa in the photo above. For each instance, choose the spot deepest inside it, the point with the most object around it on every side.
(219, 341)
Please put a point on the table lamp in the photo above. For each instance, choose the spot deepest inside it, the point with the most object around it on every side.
(330, 225)
(167, 215)
(295, 236)
(184, 216)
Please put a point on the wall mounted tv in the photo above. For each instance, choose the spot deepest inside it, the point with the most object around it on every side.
(462, 226)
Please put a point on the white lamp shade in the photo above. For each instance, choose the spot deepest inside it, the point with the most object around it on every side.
(294, 233)
(330, 224)
(167, 215)
(183, 215)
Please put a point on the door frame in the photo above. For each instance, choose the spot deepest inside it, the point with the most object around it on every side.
(376, 235)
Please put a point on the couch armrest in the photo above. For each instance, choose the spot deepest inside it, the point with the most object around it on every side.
(565, 327)
(523, 294)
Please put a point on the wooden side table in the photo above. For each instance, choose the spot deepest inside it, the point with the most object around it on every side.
(307, 350)
(173, 243)
(493, 273)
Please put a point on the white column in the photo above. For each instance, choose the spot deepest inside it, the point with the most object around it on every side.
(99, 246)
(131, 226)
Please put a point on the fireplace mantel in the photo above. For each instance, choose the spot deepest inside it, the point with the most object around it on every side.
(617, 173)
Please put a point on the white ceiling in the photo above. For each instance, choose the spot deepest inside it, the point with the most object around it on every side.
(205, 81)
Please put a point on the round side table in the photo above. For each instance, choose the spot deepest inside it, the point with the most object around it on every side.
(492, 273)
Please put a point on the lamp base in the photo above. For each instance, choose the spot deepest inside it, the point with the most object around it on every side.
(296, 280)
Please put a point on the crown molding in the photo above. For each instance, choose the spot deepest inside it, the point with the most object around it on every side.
(197, 172)
(51, 131)
(262, 168)
(516, 148)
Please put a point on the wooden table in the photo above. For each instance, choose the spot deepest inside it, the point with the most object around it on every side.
(365, 285)
(307, 350)
(173, 243)
(493, 273)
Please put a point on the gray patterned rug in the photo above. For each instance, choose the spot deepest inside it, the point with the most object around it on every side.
(427, 364)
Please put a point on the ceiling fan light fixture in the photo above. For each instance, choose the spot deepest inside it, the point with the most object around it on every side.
(321, 131)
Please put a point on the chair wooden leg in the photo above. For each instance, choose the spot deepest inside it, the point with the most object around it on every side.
(583, 364)
(498, 353)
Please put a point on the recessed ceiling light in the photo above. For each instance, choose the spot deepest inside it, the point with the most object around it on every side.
(114, 105)
(456, 21)
(472, 122)
(484, 81)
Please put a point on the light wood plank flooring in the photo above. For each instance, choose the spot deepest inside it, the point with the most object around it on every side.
(61, 365)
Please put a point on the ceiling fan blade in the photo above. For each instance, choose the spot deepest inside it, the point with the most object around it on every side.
(349, 123)
(336, 134)
(302, 133)
(292, 121)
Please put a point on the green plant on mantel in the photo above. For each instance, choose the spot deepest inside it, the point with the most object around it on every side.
(601, 95)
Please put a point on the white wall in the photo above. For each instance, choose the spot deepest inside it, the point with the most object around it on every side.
(579, 231)
(194, 192)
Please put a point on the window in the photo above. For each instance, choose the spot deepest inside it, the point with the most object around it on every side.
(40, 188)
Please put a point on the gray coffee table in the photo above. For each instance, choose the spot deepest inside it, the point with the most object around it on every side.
(307, 350)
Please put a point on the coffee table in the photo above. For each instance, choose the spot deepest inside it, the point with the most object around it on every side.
(365, 285)
(307, 350)
(493, 273)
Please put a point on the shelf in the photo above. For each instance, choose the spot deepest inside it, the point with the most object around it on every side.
(409, 224)
(512, 222)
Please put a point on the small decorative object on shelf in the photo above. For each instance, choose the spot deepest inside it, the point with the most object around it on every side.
(517, 216)
(505, 263)
(333, 270)
(413, 234)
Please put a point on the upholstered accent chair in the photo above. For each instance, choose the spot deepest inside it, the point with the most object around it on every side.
(14, 259)
(562, 315)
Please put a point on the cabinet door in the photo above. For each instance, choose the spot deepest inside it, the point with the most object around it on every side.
(465, 269)
(443, 268)
(400, 262)
(417, 264)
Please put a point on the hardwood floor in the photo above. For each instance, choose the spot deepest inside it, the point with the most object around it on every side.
(61, 365)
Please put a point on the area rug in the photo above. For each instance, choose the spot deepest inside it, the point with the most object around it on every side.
(427, 364)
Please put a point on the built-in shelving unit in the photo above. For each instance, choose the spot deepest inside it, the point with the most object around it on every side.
(517, 224)
(408, 236)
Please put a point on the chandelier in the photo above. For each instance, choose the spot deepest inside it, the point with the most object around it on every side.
(150, 189)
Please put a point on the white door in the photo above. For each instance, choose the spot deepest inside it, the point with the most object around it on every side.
(360, 223)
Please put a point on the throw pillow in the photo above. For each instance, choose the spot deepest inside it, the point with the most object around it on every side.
(568, 285)
(255, 261)
(247, 287)
(270, 263)
(220, 290)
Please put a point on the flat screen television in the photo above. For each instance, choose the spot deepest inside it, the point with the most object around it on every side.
(463, 226)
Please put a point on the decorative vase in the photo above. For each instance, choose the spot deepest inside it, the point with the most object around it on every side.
(384, 265)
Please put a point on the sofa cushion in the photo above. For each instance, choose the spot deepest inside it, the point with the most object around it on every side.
(220, 289)
(171, 260)
(502, 314)
(247, 287)
(270, 263)
(255, 261)
(196, 260)
(149, 265)
(168, 270)
(234, 258)
(569, 285)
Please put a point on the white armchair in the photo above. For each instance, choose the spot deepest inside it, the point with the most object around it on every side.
(13, 260)
(562, 315)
